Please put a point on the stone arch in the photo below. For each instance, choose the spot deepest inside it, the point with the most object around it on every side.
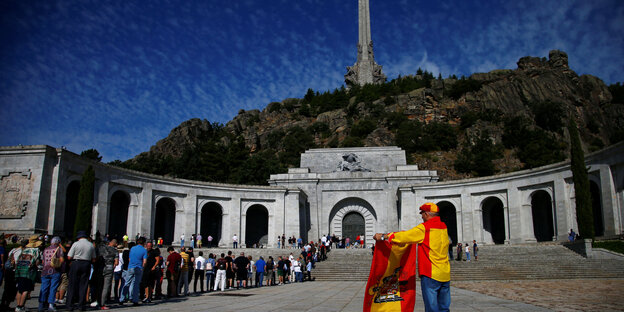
(164, 221)
(211, 222)
(352, 204)
(448, 215)
(596, 199)
(71, 208)
(543, 219)
(118, 214)
(257, 226)
(493, 220)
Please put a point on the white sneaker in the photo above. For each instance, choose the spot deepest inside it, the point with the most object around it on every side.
(94, 304)
(51, 308)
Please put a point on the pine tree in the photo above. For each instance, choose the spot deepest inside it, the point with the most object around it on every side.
(85, 202)
(584, 216)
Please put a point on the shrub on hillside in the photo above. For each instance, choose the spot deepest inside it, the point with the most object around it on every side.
(617, 91)
(478, 159)
(463, 86)
(363, 127)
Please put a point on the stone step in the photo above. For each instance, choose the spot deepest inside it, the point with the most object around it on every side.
(507, 262)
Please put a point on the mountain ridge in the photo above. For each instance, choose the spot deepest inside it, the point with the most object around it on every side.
(443, 124)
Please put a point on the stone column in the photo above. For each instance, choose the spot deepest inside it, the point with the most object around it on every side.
(141, 217)
(608, 199)
(565, 216)
(101, 208)
(291, 215)
(527, 234)
(506, 219)
(467, 219)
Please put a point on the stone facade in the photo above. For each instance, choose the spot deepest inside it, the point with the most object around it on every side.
(39, 185)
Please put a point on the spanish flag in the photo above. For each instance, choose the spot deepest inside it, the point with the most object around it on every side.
(392, 280)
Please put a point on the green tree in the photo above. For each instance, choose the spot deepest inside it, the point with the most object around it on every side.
(92, 154)
(85, 202)
(363, 127)
(352, 141)
(548, 115)
(584, 215)
(464, 86)
(478, 159)
(617, 91)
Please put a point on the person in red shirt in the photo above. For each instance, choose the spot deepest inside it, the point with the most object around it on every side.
(433, 262)
(173, 271)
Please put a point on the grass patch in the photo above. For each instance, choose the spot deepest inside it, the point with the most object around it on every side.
(615, 246)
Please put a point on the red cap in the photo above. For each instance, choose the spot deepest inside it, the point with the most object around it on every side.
(429, 207)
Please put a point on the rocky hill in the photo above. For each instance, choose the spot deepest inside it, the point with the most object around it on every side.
(516, 118)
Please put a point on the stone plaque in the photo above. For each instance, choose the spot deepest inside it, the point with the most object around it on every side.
(15, 190)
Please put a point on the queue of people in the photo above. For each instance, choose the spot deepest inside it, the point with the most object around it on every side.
(94, 274)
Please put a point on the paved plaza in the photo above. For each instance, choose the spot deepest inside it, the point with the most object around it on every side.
(308, 296)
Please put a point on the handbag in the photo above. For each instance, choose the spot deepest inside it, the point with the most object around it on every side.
(56, 262)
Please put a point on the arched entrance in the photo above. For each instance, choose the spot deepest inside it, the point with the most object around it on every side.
(164, 222)
(353, 225)
(211, 215)
(449, 217)
(594, 190)
(71, 208)
(257, 226)
(346, 206)
(494, 219)
(118, 215)
(542, 212)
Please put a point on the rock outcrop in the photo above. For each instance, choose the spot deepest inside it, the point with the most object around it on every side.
(508, 91)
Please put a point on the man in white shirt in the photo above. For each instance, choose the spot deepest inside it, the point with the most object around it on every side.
(200, 265)
(235, 241)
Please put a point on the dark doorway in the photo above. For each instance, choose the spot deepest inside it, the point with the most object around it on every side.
(449, 217)
(164, 223)
(211, 215)
(118, 215)
(71, 209)
(494, 219)
(257, 226)
(353, 224)
(542, 211)
(596, 208)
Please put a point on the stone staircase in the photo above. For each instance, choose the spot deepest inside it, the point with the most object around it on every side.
(496, 262)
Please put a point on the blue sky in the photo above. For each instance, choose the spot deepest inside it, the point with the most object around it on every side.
(119, 75)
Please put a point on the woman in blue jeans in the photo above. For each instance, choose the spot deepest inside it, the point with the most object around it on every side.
(50, 276)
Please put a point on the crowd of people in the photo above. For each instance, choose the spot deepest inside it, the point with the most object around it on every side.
(325, 240)
(96, 273)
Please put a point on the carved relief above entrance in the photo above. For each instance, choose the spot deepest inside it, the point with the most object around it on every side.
(15, 189)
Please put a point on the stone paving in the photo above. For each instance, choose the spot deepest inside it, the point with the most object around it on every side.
(308, 296)
(558, 295)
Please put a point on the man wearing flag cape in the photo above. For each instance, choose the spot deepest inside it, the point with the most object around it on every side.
(391, 284)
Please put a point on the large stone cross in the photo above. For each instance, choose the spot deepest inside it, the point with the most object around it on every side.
(365, 70)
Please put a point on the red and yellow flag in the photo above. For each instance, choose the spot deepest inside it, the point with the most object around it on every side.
(392, 281)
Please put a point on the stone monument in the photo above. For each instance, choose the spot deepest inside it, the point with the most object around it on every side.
(365, 70)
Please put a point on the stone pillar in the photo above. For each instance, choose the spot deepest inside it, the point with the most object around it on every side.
(609, 201)
(181, 221)
(564, 216)
(225, 226)
(527, 234)
(101, 208)
(291, 215)
(466, 219)
(506, 220)
(519, 228)
(459, 223)
(141, 217)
